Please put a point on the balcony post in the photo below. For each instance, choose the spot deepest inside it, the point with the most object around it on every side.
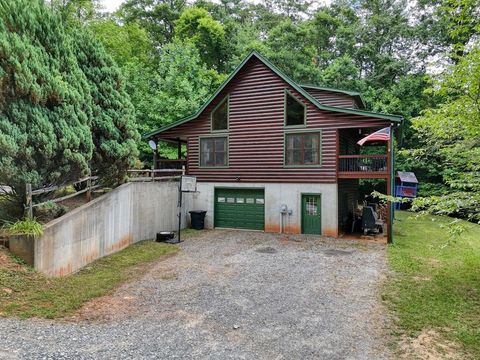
(179, 150)
(390, 187)
(155, 156)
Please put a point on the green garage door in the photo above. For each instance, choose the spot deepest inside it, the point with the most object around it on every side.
(240, 208)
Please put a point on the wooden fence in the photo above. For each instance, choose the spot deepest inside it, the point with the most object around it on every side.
(154, 175)
(89, 187)
(92, 184)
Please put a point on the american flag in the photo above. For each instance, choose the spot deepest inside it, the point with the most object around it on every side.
(380, 135)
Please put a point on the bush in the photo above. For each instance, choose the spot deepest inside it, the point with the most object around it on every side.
(25, 227)
(50, 210)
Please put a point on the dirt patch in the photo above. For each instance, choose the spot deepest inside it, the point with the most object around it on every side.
(104, 309)
(6, 261)
(430, 345)
(69, 204)
(7, 264)
(117, 303)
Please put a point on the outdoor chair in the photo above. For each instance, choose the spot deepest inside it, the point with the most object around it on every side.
(370, 221)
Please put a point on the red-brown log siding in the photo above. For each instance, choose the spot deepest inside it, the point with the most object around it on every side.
(256, 132)
(332, 98)
(348, 143)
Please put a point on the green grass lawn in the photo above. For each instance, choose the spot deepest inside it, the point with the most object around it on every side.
(435, 286)
(27, 293)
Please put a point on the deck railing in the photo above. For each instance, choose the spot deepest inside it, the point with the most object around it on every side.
(362, 163)
(171, 163)
(154, 175)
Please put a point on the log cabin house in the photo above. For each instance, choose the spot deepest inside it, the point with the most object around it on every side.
(270, 154)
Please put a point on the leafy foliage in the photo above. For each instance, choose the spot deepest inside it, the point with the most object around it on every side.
(197, 26)
(128, 43)
(25, 227)
(449, 135)
(157, 17)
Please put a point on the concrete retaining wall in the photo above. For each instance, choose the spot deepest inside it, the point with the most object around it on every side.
(275, 196)
(132, 212)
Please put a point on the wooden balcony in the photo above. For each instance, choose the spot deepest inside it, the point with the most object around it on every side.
(363, 167)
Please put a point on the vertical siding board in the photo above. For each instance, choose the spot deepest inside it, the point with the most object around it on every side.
(256, 131)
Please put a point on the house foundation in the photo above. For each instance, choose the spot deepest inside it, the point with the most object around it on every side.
(277, 195)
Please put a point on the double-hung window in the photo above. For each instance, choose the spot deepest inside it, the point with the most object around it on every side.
(213, 151)
(302, 149)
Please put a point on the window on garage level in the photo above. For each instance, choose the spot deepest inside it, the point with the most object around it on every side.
(220, 116)
(295, 111)
(302, 149)
(213, 151)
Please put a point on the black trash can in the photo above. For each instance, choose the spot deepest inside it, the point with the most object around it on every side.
(198, 219)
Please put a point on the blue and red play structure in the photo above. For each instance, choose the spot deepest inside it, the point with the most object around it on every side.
(406, 185)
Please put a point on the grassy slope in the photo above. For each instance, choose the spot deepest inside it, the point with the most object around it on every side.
(37, 295)
(436, 287)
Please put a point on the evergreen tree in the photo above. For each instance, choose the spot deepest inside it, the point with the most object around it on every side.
(112, 123)
(45, 107)
(63, 107)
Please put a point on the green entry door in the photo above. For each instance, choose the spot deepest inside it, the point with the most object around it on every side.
(240, 208)
(311, 214)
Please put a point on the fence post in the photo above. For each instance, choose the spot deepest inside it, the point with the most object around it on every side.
(29, 201)
(89, 188)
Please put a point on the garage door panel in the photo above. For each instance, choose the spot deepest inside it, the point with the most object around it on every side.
(240, 208)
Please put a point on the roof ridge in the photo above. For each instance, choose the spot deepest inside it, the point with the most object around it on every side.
(326, 88)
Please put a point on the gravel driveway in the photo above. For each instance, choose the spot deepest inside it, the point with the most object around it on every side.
(228, 295)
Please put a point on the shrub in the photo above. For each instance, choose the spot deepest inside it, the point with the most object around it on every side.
(25, 227)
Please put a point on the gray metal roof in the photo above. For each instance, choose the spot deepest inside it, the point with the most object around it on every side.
(406, 176)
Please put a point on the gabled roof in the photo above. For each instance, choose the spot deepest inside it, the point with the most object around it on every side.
(355, 94)
(346, 92)
(407, 176)
(394, 118)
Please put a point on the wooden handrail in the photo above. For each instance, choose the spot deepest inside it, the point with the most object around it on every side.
(172, 160)
(153, 171)
(362, 156)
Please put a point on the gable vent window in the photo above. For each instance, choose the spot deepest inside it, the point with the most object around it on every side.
(213, 151)
(295, 111)
(220, 116)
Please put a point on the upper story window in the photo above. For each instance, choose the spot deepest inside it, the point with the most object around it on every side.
(220, 116)
(213, 151)
(295, 111)
(302, 148)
